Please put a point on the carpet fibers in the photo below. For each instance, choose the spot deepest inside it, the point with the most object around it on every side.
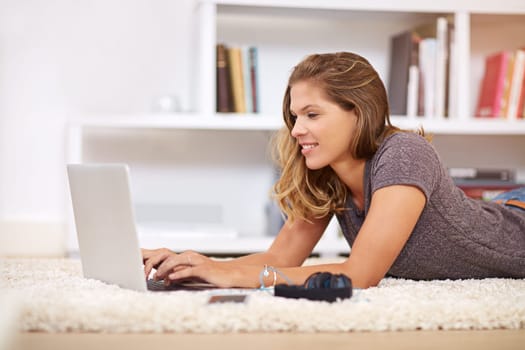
(54, 297)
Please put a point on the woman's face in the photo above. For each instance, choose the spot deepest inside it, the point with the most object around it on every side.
(322, 128)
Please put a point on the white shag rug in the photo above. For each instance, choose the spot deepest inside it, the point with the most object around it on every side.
(54, 297)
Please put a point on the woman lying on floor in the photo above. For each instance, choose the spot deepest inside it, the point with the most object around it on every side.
(398, 208)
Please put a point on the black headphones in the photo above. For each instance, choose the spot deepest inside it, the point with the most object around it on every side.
(327, 280)
(319, 286)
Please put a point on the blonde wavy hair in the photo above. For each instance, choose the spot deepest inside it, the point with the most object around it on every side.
(350, 81)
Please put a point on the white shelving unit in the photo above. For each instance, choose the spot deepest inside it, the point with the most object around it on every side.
(286, 31)
(251, 122)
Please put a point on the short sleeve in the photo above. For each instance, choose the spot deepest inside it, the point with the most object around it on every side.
(406, 158)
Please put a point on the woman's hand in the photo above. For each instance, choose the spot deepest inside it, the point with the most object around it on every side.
(189, 265)
(152, 258)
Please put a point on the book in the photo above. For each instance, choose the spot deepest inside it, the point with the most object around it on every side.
(520, 110)
(451, 109)
(223, 85)
(427, 63)
(493, 84)
(515, 84)
(412, 90)
(521, 104)
(506, 86)
(440, 67)
(237, 80)
(247, 76)
(481, 174)
(250, 79)
(403, 55)
(254, 65)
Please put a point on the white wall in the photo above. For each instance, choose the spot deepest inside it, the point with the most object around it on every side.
(60, 59)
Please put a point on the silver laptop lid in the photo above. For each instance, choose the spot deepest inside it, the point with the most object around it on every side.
(105, 224)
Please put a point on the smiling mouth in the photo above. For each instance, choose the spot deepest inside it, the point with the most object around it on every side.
(308, 146)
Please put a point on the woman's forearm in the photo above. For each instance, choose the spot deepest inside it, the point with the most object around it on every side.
(298, 275)
(249, 276)
(260, 259)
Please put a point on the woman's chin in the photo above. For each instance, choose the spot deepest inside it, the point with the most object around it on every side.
(312, 165)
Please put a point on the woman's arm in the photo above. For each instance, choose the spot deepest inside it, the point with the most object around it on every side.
(393, 214)
(291, 247)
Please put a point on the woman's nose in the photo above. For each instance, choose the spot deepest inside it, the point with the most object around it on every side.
(298, 129)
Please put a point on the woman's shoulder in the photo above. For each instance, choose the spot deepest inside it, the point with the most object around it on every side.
(405, 138)
(406, 158)
(405, 143)
(406, 150)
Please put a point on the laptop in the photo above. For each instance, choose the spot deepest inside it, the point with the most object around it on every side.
(106, 229)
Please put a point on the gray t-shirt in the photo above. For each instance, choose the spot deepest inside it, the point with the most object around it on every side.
(456, 237)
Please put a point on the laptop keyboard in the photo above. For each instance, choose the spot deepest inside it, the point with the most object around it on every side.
(159, 286)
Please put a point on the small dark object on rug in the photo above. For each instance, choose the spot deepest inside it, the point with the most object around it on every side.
(322, 286)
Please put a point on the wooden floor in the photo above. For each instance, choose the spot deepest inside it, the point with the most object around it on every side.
(465, 340)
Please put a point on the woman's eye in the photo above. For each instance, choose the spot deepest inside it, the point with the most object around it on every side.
(293, 118)
(311, 115)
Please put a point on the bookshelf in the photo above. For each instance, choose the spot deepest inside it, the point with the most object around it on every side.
(260, 122)
(284, 32)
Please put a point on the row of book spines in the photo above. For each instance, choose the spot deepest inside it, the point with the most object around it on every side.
(502, 89)
(484, 184)
(236, 79)
(487, 192)
(421, 80)
(480, 175)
